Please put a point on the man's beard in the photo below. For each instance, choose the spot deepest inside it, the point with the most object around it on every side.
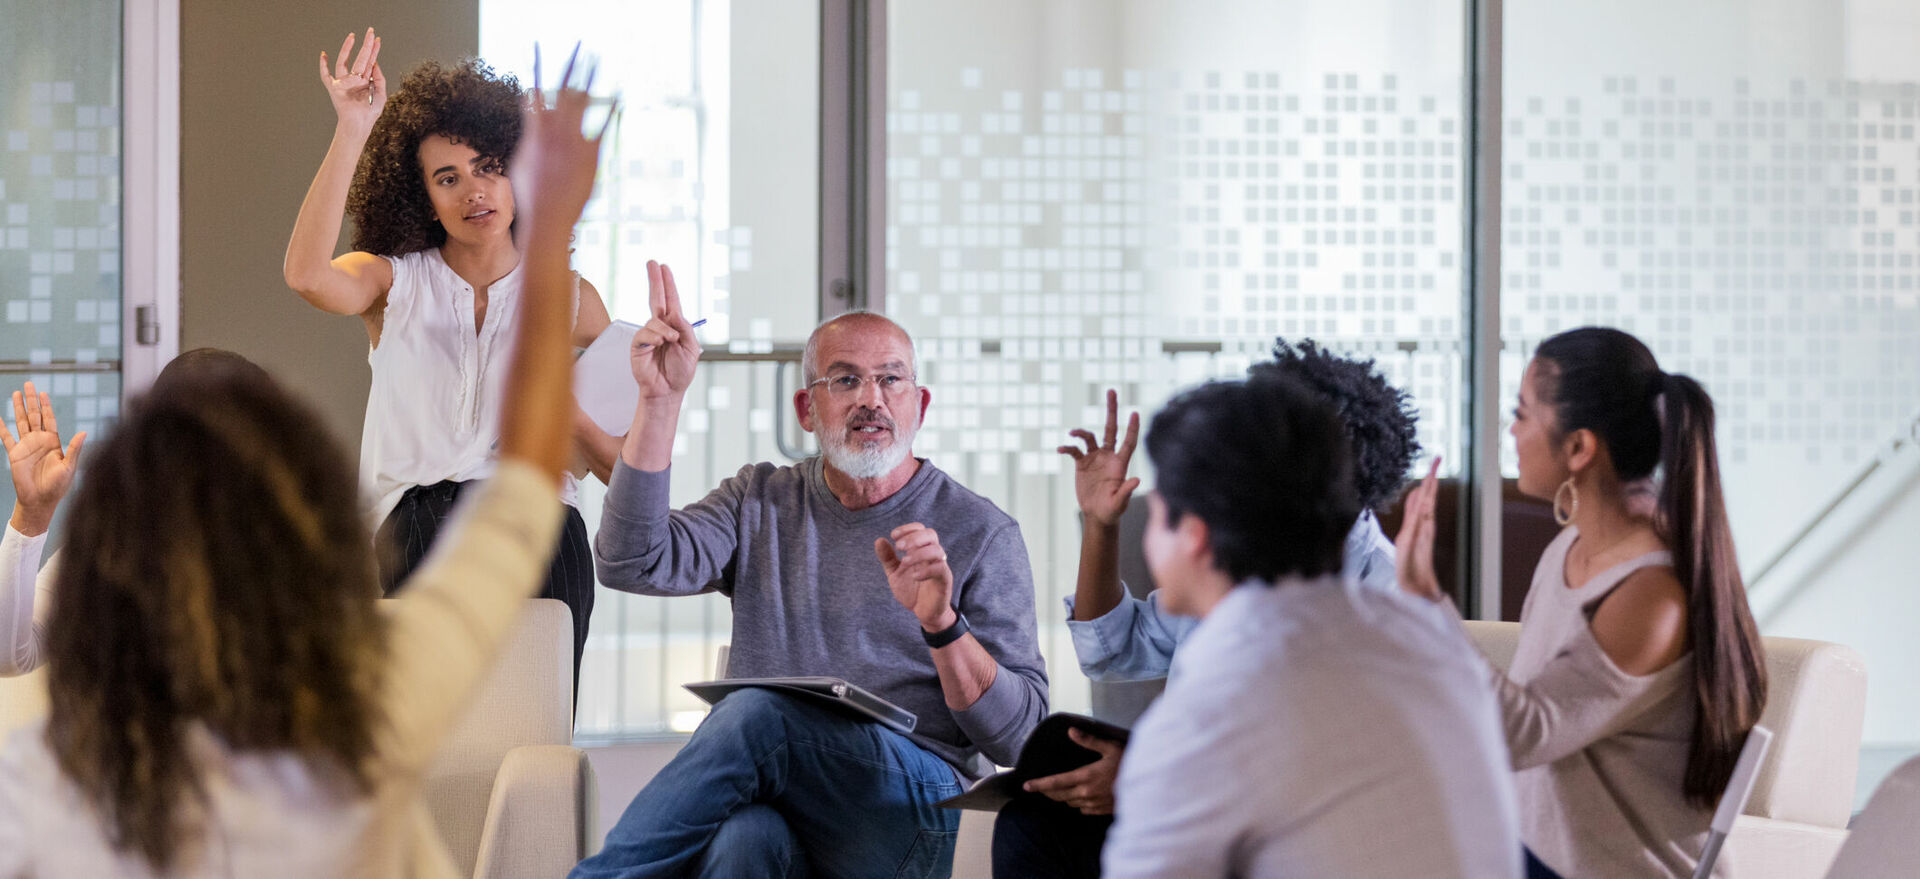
(861, 460)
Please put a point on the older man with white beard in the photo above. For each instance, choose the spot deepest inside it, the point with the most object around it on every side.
(864, 563)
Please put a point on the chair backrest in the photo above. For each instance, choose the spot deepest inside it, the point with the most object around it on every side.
(526, 700)
(1816, 705)
(1882, 843)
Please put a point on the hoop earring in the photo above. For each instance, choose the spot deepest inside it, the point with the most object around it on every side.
(1573, 503)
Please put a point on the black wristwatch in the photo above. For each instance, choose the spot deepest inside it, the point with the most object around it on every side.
(948, 635)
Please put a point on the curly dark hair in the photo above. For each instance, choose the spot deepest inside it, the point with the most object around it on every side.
(468, 104)
(250, 612)
(1378, 417)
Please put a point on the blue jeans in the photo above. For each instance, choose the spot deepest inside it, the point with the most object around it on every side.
(1037, 838)
(774, 786)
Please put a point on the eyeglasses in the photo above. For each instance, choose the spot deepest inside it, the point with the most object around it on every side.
(848, 384)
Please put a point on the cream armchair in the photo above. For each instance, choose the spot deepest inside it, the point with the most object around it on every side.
(510, 794)
(1796, 820)
(23, 700)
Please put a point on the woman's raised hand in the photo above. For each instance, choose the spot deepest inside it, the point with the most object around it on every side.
(1413, 548)
(553, 167)
(356, 87)
(552, 171)
(42, 470)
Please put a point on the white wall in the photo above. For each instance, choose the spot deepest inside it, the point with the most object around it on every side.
(1855, 584)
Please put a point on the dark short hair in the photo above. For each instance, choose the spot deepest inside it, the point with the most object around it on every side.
(1377, 417)
(1264, 464)
(201, 361)
(468, 104)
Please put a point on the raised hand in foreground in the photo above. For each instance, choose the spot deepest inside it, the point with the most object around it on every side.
(552, 171)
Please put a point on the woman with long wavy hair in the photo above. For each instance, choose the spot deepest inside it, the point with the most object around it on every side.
(227, 696)
(1639, 670)
(436, 278)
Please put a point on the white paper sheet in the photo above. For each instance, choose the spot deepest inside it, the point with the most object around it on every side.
(603, 379)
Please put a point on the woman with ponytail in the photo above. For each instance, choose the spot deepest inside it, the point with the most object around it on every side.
(1639, 669)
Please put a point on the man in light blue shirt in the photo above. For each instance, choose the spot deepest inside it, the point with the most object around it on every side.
(1121, 638)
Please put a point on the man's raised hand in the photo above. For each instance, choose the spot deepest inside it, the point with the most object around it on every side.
(665, 351)
(1100, 480)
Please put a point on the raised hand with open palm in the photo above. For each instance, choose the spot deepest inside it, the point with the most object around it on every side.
(42, 469)
(1413, 548)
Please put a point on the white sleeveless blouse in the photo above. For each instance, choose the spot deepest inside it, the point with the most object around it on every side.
(433, 413)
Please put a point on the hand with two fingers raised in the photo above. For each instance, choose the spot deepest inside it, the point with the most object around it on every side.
(665, 351)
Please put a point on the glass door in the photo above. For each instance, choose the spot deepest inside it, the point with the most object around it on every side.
(61, 169)
(1143, 195)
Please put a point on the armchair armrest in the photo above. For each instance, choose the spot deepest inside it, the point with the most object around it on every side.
(540, 819)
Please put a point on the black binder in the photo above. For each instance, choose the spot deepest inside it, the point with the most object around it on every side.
(1048, 751)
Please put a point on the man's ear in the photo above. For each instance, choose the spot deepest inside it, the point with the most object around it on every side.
(926, 399)
(803, 408)
(1193, 540)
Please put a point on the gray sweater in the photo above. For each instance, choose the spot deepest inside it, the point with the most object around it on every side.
(810, 598)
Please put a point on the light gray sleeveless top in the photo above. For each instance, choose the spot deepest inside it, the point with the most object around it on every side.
(1600, 754)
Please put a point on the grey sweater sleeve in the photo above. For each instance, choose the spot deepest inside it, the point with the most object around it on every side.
(645, 548)
(997, 599)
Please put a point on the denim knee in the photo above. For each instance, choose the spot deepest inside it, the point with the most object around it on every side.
(754, 841)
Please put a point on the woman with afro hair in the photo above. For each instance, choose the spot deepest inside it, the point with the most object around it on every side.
(435, 274)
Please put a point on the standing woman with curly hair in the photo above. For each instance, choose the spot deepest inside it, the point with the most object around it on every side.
(436, 277)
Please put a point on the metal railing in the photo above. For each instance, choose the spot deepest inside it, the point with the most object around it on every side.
(1904, 440)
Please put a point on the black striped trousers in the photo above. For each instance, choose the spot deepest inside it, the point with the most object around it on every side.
(409, 531)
